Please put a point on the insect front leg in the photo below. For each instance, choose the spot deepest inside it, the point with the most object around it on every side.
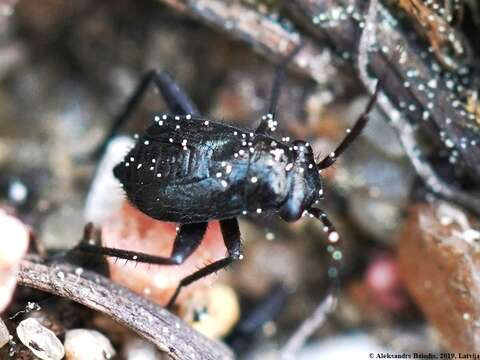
(177, 101)
(187, 240)
(231, 237)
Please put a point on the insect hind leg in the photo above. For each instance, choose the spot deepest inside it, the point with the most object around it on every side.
(176, 98)
(231, 237)
(187, 240)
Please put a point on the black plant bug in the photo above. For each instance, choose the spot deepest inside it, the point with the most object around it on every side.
(189, 169)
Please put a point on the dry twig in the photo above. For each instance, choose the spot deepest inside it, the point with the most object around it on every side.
(308, 327)
(405, 130)
(265, 35)
(424, 99)
(170, 334)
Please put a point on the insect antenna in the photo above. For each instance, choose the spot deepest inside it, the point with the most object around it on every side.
(333, 247)
(351, 133)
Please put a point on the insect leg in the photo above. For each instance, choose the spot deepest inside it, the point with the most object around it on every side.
(187, 240)
(276, 87)
(351, 134)
(177, 100)
(231, 237)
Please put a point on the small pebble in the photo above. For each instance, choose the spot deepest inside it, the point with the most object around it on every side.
(105, 195)
(40, 340)
(139, 349)
(212, 312)
(86, 344)
(4, 334)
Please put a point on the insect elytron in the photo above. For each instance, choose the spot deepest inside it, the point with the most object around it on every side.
(190, 170)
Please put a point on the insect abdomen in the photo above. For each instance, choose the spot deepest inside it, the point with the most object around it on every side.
(160, 163)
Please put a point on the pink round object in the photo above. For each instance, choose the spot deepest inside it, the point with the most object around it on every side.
(383, 279)
(130, 229)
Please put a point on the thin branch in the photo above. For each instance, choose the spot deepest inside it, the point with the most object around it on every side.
(308, 327)
(169, 333)
(265, 35)
(405, 131)
(419, 96)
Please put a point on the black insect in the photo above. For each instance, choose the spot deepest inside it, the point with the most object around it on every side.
(190, 170)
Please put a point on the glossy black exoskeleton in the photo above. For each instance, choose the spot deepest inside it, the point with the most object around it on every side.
(189, 169)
